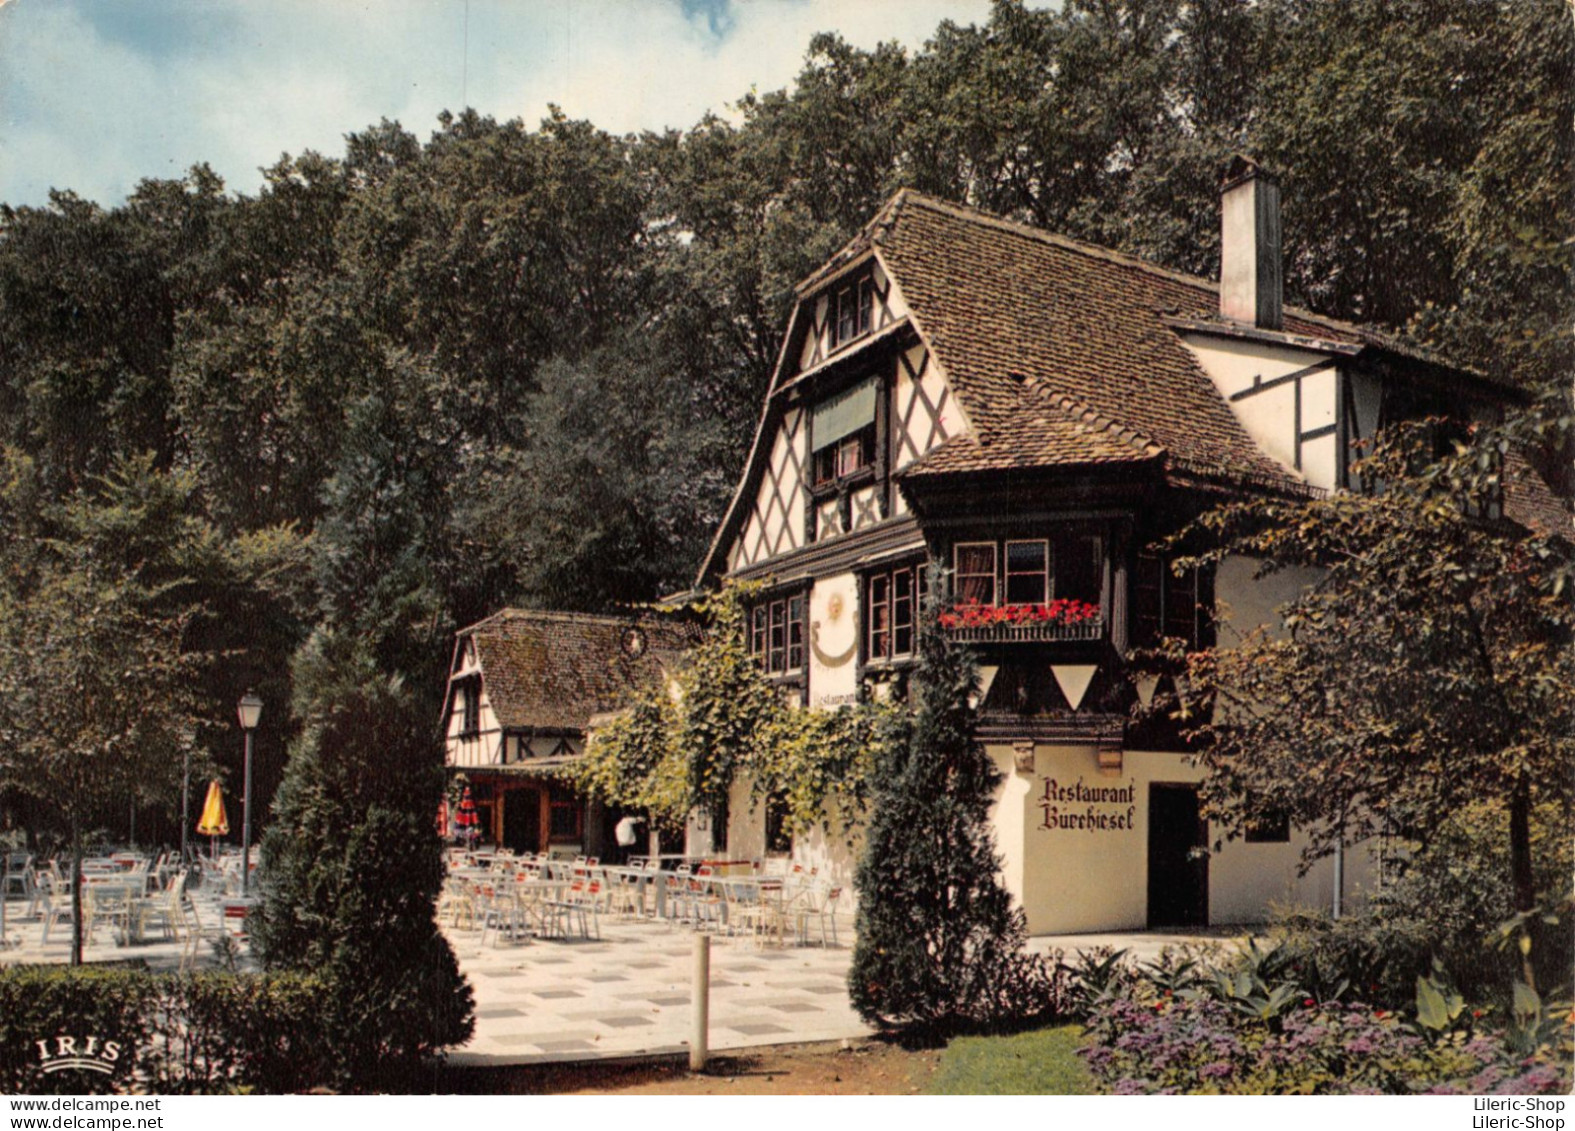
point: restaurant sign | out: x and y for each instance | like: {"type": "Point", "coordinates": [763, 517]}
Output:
{"type": "Point", "coordinates": [1089, 808]}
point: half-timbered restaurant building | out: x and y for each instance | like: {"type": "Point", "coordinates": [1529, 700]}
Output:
{"type": "Point", "coordinates": [1035, 414]}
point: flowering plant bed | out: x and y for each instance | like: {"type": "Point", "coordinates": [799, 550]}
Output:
{"type": "Point", "coordinates": [1056, 620]}
{"type": "Point", "coordinates": [1193, 1045]}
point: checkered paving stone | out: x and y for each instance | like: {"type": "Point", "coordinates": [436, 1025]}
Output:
{"type": "Point", "coordinates": [630, 994]}
{"type": "Point", "coordinates": [623, 995]}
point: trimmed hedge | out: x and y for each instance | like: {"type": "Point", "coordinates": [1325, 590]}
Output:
{"type": "Point", "coordinates": [174, 1034]}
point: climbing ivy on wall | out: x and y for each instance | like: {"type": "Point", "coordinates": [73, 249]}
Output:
{"type": "Point", "coordinates": [679, 746]}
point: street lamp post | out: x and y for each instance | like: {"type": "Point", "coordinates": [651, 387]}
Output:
{"type": "Point", "coordinates": [250, 710]}
{"type": "Point", "coordinates": [185, 801]}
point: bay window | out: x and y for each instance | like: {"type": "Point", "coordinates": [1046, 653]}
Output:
{"type": "Point", "coordinates": [974, 563]}
{"type": "Point", "coordinates": [1068, 565]}
{"type": "Point", "coordinates": [1027, 572]}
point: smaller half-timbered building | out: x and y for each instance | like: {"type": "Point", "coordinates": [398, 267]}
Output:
{"type": "Point", "coordinates": [523, 689]}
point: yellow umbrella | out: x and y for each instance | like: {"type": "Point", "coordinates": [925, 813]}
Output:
{"type": "Point", "coordinates": [213, 822]}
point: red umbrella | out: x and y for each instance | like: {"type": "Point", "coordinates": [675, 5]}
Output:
{"type": "Point", "coordinates": [468, 823]}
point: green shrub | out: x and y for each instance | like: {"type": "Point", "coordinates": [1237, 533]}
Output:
{"type": "Point", "coordinates": [1446, 903]}
{"type": "Point", "coordinates": [173, 1034]}
{"type": "Point", "coordinates": [939, 945]}
{"type": "Point", "coordinates": [1245, 1026]}
{"type": "Point", "coordinates": [42, 1003]}
{"type": "Point", "coordinates": [1198, 1045]}
{"type": "Point", "coordinates": [225, 1032]}
{"type": "Point", "coordinates": [351, 868]}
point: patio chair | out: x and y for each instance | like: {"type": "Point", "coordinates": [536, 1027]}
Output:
{"type": "Point", "coordinates": [625, 895]}
{"type": "Point", "coordinates": [196, 934]}
{"type": "Point", "coordinates": [19, 876]}
{"type": "Point", "coordinates": [166, 910]}
{"type": "Point", "coordinates": [761, 915]}
{"type": "Point", "coordinates": [54, 904]}
{"type": "Point", "coordinates": [818, 906]}
{"type": "Point", "coordinates": [678, 904]}
{"type": "Point", "coordinates": [707, 901]}
{"type": "Point", "coordinates": [106, 905]}
{"type": "Point", "coordinates": [501, 914]}
{"type": "Point", "coordinates": [574, 915]}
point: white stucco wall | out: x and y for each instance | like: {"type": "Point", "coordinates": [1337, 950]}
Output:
{"type": "Point", "coordinates": [1082, 879]}
{"type": "Point", "coordinates": [833, 629]}
{"type": "Point", "coordinates": [1270, 416]}
{"type": "Point", "coordinates": [1243, 602]}
{"type": "Point", "coordinates": [832, 855]}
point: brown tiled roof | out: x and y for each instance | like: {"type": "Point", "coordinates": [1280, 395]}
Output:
{"type": "Point", "coordinates": [1046, 429]}
{"type": "Point", "coordinates": [1000, 302]}
{"type": "Point", "coordinates": [1529, 500]}
{"type": "Point", "coordinates": [556, 670]}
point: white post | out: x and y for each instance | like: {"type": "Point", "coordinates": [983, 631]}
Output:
{"type": "Point", "coordinates": [699, 1041]}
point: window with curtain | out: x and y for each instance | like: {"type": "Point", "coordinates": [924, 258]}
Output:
{"type": "Point", "coordinates": [974, 566]}
{"type": "Point", "coordinates": [843, 427]}
{"type": "Point", "coordinates": [890, 613]}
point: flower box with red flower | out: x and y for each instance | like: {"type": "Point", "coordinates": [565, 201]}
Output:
{"type": "Point", "coordinates": [1058, 620]}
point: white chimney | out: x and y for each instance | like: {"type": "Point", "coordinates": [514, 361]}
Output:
{"type": "Point", "coordinates": [1250, 279]}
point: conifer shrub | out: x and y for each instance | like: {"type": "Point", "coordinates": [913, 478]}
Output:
{"type": "Point", "coordinates": [351, 869]}
{"type": "Point", "coordinates": [939, 944]}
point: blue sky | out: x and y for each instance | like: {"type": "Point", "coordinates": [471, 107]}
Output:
{"type": "Point", "coordinates": [97, 94]}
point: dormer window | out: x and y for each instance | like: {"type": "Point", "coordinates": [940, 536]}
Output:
{"type": "Point", "coordinates": [854, 304]}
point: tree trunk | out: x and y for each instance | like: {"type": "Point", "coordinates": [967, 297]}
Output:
{"type": "Point", "coordinates": [76, 892]}
{"type": "Point", "coordinates": [1524, 882]}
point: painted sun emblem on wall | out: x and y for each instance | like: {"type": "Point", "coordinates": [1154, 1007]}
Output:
{"type": "Point", "coordinates": [834, 608]}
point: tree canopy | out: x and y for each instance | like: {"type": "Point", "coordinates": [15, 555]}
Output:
{"type": "Point", "coordinates": [1429, 668]}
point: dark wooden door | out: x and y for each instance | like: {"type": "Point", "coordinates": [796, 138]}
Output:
{"type": "Point", "coordinates": [522, 820]}
{"type": "Point", "coordinates": [1178, 880]}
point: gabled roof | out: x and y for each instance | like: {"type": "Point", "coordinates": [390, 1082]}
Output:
{"type": "Point", "coordinates": [1001, 303]}
{"type": "Point", "coordinates": [554, 671]}
{"type": "Point", "coordinates": [1062, 353]}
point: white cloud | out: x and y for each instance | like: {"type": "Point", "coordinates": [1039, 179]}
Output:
{"type": "Point", "coordinates": [86, 108]}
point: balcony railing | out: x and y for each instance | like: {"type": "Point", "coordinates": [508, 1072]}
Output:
{"type": "Point", "coordinates": [1024, 624]}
